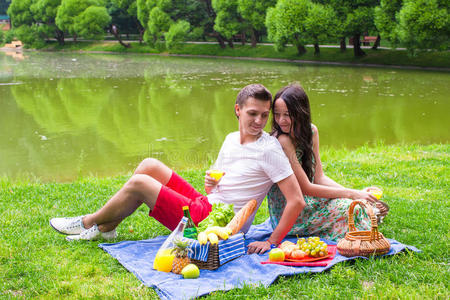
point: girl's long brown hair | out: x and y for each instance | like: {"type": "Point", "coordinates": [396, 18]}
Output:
{"type": "Point", "coordinates": [297, 103]}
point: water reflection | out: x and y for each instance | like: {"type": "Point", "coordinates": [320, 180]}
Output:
{"type": "Point", "coordinates": [79, 114]}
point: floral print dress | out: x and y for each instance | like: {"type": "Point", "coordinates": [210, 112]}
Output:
{"type": "Point", "coordinates": [323, 217]}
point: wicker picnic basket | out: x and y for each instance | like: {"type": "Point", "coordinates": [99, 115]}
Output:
{"type": "Point", "coordinates": [362, 242]}
{"type": "Point", "coordinates": [235, 225]}
{"type": "Point", "coordinates": [213, 259]}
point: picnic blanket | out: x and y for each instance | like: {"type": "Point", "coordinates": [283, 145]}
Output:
{"type": "Point", "coordinates": [137, 257]}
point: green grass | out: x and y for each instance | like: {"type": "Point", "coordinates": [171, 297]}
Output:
{"type": "Point", "coordinates": [36, 262]}
{"type": "Point", "coordinates": [381, 56]}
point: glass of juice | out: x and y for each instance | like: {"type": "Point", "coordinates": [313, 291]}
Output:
{"type": "Point", "coordinates": [163, 260]}
{"type": "Point", "coordinates": [216, 174]}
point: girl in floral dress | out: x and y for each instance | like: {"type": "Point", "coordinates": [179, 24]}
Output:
{"type": "Point", "coordinates": [327, 202]}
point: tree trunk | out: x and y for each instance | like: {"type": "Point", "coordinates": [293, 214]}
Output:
{"type": "Point", "coordinates": [357, 46]}
{"type": "Point", "coordinates": [316, 49]}
{"type": "Point", "coordinates": [243, 38]}
{"type": "Point", "coordinates": [230, 43]}
{"type": "Point", "coordinates": [59, 35]}
{"type": "Point", "coordinates": [141, 35]}
{"type": "Point", "coordinates": [377, 43]}
{"type": "Point", "coordinates": [221, 41]}
{"type": "Point", "coordinates": [301, 49]}
{"type": "Point", "coordinates": [116, 34]}
{"type": "Point", "coordinates": [253, 38]}
{"type": "Point", "coordinates": [75, 38]}
{"type": "Point", "coordinates": [343, 46]}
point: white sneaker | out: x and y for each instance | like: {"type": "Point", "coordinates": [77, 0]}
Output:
{"type": "Point", "coordinates": [68, 225]}
{"type": "Point", "coordinates": [93, 234]}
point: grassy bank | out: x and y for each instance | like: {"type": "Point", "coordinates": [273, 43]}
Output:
{"type": "Point", "coordinates": [37, 262]}
{"type": "Point", "coordinates": [379, 57]}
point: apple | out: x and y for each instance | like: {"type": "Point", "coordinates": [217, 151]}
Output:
{"type": "Point", "coordinates": [191, 271]}
{"type": "Point", "coordinates": [276, 254]}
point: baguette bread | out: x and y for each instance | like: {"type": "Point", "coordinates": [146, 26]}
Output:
{"type": "Point", "coordinates": [242, 216]}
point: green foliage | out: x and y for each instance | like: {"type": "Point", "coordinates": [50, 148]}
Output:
{"type": "Point", "coordinates": [2, 34]}
{"type": "Point", "coordinates": [91, 23]}
{"type": "Point", "coordinates": [177, 33]}
{"type": "Point", "coordinates": [320, 23]}
{"type": "Point", "coordinates": [384, 18]}
{"type": "Point", "coordinates": [359, 21]}
{"type": "Point", "coordinates": [254, 11]}
{"type": "Point", "coordinates": [44, 13]}
{"type": "Point", "coordinates": [220, 215]}
{"type": "Point", "coordinates": [9, 36]}
{"type": "Point", "coordinates": [158, 23]}
{"type": "Point", "coordinates": [286, 23]}
{"type": "Point", "coordinates": [196, 33]}
{"type": "Point", "coordinates": [227, 21]}
{"type": "Point", "coordinates": [29, 35]}
{"type": "Point", "coordinates": [68, 11]}
{"type": "Point", "coordinates": [20, 13]}
{"type": "Point", "coordinates": [143, 9]}
{"type": "Point", "coordinates": [124, 15]}
{"type": "Point", "coordinates": [423, 24]}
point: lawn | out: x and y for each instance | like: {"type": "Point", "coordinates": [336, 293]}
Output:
{"type": "Point", "coordinates": [37, 262]}
{"type": "Point", "coordinates": [379, 57]}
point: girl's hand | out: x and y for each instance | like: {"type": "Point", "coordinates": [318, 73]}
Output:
{"type": "Point", "coordinates": [364, 196]}
{"type": "Point", "coordinates": [258, 247]}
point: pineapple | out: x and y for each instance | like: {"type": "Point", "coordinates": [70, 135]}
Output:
{"type": "Point", "coordinates": [181, 260]}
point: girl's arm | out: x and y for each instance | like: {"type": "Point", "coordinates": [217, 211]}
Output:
{"type": "Point", "coordinates": [329, 190]}
{"type": "Point", "coordinates": [319, 175]}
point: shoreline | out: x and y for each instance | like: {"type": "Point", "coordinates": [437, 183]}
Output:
{"type": "Point", "coordinates": [330, 56]}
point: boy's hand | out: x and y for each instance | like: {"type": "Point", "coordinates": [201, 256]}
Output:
{"type": "Point", "coordinates": [210, 182]}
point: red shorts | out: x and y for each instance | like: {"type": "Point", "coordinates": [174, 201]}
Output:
{"type": "Point", "coordinates": [173, 196]}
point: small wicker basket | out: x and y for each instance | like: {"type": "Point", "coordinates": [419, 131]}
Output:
{"type": "Point", "coordinates": [212, 262]}
{"type": "Point", "coordinates": [364, 242]}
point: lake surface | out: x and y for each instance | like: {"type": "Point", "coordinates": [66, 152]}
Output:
{"type": "Point", "coordinates": [65, 115]}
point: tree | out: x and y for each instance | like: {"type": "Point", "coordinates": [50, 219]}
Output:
{"type": "Point", "coordinates": [177, 33]}
{"type": "Point", "coordinates": [423, 24]}
{"type": "Point", "coordinates": [158, 23]}
{"type": "Point", "coordinates": [320, 24]}
{"type": "Point", "coordinates": [359, 21]}
{"type": "Point", "coordinates": [254, 12]}
{"type": "Point", "coordinates": [20, 13]}
{"type": "Point", "coordinates": [227, 22]}
{"type": "Point", "coordinates": [91, 23]}
{"type": "Point", "coordinates": [286, 24]}
{"type": "Point", "coordinates": [44, 13]}
{"type": "Point", "coordinates": [385, 20]}
{"type": "Point", "coordinates": [124, 17]}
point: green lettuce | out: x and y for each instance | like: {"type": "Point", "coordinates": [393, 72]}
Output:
{"type": "Point", "coordinates": [220, 215]}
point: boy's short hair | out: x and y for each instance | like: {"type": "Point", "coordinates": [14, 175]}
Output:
{"type": "Point", "coordinates": [257, 91]}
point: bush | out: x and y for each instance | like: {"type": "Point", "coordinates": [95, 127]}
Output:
{"type": "Point", "coordinates": [2, 35]}
{"type": "Point", "coordinates": [9, 36]}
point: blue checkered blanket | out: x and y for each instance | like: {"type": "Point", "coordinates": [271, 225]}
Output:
{"type": "Point", "coordinates": [137, 257]}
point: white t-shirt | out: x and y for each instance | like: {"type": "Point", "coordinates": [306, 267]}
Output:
{"type": "Point", "coordinates": [250, 171]}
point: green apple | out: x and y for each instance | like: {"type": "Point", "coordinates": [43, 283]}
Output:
{"type": "Point", "coordinates": [276, 254]}
{"type": "Point", "coordinates": [191, 271]}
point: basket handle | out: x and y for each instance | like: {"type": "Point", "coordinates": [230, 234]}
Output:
{"type": "Point", "coordinates": [369, 211]}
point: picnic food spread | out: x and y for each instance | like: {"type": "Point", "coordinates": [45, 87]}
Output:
{"type": "Point", "coordinates": [308, 249]}
{"type": "Point", "coordinates": [221, 224]}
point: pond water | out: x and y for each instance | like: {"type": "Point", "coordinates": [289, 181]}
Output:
{"type": "Point", "coordinates": [65, 115]}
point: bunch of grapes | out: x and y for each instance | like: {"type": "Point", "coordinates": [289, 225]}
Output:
{"type": "Point", "coordinates": [313, 246]}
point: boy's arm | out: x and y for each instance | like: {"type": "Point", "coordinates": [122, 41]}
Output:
{"type": "Point", "coordinates": [294, 206]}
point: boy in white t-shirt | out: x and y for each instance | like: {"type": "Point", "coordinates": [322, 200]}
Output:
{"type": "Point", "coordinates": [251, 159]}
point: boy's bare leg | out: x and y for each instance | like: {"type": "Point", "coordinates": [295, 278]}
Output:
{"type": "Point", "coordinates": [142, 187]}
